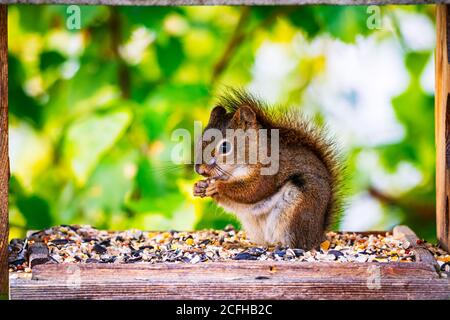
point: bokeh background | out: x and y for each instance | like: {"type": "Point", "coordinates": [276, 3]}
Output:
{"type": "Point", "coordinates": [92, 110]}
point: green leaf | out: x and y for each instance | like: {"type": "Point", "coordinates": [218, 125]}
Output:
{"type": "Point", "coordinates": [36, 211]}
{"type": "Point", "coordinates": [35, 19]}
{"type": "Point", "coordinates": [305, 18]}
{"type": "Point", "coordinates": [214, 217]}
{"type": "Point", "coordinates": [150, 179]}
{"type": "Point", "coordinates": [416, 61]}
{"type": "Point", "coordinates": [89, 139]}
{"type": "Point", "coordinates": [151, 17]}
{"type": "Point", "coordinates": [20, 104]}
{"type": "Point", "coordinates": [164, 205]}
{"type": "Point", "coordinates": [170, 55]}
{"type": "Point", "coordinates": [111, 168]}
{"type": "Point", "coordinates": [79, 89]}
{"type": "Point", "coordinates": [50, 59]}
{"type": "Point", "coordinates": [343, 22]}
{"type": "Point", "coordinates": [415, 110]}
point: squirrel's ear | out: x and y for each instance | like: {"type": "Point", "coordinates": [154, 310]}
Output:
{"type": "Point", "coordinates": [245, 116]}
{"type": "Point", "coordinates": [217, 113]}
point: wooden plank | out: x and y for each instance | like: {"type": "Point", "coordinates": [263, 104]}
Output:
{"type": "Point", "coordinates": [246, 271]}
{"type": "Point", "coordinates": [237, 279]}
{"type": "Point", "coordinates": [442, 126]}
{"type": "Point", "coordinates": [225, 2]}
{"type": "Point", "coordinates": [4, 161]}
{"type": "Point", "coordinates": [232, 280]}
{"type": "Point", "coordinates": [420, 250]}
{"type": "Point", "coordinates": [317, 290]}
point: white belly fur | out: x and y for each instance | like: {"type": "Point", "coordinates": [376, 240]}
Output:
{"type": "Point", "coordinates": [263, 220]}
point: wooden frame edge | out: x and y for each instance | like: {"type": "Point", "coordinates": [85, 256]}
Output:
{"type": "Point", "coordinates": [4, 158]}
{"type": "Point", "coordinates": [442, 135]}
{"type": "Point", "coordinates": [442, 125]}
{"type": "Point", "coordinates": [240, 279]}
{"type": "Point", "coordinates": [227, 2]}
{"type": "Point", "coordinates": [233, 280]}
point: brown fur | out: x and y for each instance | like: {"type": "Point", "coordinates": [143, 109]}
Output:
{"type": "Point", "coordinates": [293, 207]}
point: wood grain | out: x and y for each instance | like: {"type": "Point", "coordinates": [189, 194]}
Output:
{"type": "Point", "coordinates": [4, 161]}
{"type": "Point", "coordinates": [421, 252]}
{"type": "Point", "coordinates": [232, 280]}
{"type": "Point", "coordinates": [442, 126]}
{"type": "Point", "coordinates": [224, 2]}
{"type": "Point", "coordinates": [244, 271]}
{"type": "Point", "coordinates": [237, 279]}
{"type": "Point", "coordinates": [242, 280]}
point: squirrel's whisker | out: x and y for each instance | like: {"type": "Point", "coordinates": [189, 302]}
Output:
{"type": "Point", "coordinates": [223, 171]}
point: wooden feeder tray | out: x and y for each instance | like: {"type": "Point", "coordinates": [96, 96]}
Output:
{"type": "Point", "coordinates": [420, 279]}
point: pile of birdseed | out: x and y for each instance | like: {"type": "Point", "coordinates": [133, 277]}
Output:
{"type": "Point", "coordinates": [85, 244]}
{"type": "Point", "coordinates": [442, 257]}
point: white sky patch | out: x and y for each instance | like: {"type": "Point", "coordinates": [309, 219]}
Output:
{"type": "Point", "coordinates": [417, 30]}
{"type": "Point", "coordinates": [34, 86]}
{"type": "Point", "coordinates": [403, 179]}
{"type": "Point", "coordinates": [133, 51]}
{"type": "Point", "coordinates": [303, 47]}
{"type": "Point", "coordinates": [70, 68]}
{"type": "Point", "coordinates": [272, 65]}
{"type": "Point", "coordinates": [71, 44]}
{"type": "Point", "coordinates": [356, 89]}
{"type": "Point", "coordinates": [175, 24]}
{"type": "Point", "coordinates": [427, 78]}
{"type": "Point", "coordinates": [28, 152]}
{"type": "Point", "coordinates": [364, 213]}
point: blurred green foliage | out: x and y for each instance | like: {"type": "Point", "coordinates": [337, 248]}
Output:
{"type": "Point", "coordinates": [92, 110]}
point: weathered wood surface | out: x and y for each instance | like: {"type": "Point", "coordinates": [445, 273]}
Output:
{"type": "Point", "coordinates": [442, 126]}
{"type": "Point", "coordinates": [224, 2]}
{"type": "Point", "coordinates": [239, 279]}
{"type": "Point", "coordinates": [232, 280]}
{"type": "Point", "coordinates": [4, 162]}
{"type": "Point", "coordinates": [420, 250]}
{"type": "Point", "coordinates": [245, 271]}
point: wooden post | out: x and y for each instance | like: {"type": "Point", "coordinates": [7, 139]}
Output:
{"type": "Point", "coordinates": [4, 160]}
{"type": "Point", "coordinates": [442, 129]}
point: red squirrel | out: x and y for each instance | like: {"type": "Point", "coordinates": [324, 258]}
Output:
{"type": "Point", "coordinates": [293, 206]}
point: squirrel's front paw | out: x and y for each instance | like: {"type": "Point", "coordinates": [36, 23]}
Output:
{"type": "Point", "coordinates": [205, 188]}
{"type": "Point", "coordinates": [200, 188]}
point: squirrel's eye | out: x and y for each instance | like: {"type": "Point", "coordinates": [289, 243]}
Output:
{"type": "Point", "coordinates": [225, 147]}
